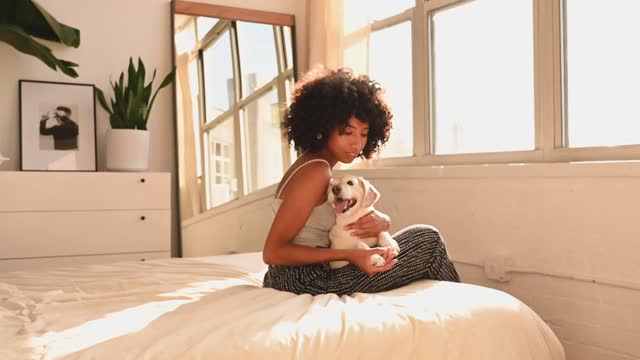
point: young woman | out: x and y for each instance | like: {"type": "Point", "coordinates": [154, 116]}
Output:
{"type": "Point", "coordinates": [334, 117]}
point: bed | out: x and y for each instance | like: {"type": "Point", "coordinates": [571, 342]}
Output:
{"type": "Point", "coordinates": [214, 308]}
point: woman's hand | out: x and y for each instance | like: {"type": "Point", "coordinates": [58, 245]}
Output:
{"type": "Point", "coordinates": [370, 225]}
{"type": "Point", "coordinates": [362, 259]}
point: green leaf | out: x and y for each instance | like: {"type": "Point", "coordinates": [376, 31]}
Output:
{"type": "Point", "coordinates": [116, 121]}
{"type": "Point", "coordinates": [167, 80]}
{"type": "Point", "coordinates": [120, 88]}
{"type": "Point", "coordinates": [141, 73]}
{"type": "Point", "coordinates": [31, 20]}
{"type": "Point", "coordinates": [146, 94]}
{"type": "Point", "coordinates": [132, 77]}
{"type": "Point", "coordinates": [24, 43]}
{"type": "Point", "coordinates": [102, 101]}
{"type": "Point", "coordinates": [131, 106]}
{"type": "Point", "coordinates": [117, 93]}
{"type": "Point", "coordinates": [36, 21]}
{"type": "Point", "coordinates": [152, 78]}
{"type": "Point", "coordinates": [8, 11]}
{"type": "Point", "coordinates": [140, 88]}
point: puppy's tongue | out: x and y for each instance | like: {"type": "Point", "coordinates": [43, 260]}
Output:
{"type": "Point", "coordinates": [340, 205]}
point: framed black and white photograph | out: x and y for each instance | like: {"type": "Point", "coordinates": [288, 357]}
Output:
{"type": "Point", "coordinates": [57, 126]}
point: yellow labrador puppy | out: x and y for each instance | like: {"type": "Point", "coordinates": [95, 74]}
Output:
{"type": "Point", "coordinates": [351, 198]}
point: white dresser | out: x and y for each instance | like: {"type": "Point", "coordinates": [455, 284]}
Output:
{"type": "Point", "coordinates": [67, 218]}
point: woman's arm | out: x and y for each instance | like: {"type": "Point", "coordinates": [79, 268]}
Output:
{"type": "Point", "coordinates": [305, 190]}
{"type": "Point", "coordinates": [370, 225]}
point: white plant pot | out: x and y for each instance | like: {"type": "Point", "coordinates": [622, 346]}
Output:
{"type": "Point", "coordinates": [127, 150]}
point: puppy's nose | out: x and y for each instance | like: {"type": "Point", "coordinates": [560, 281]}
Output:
{"type": "Point", "coordinates": [336, 189]}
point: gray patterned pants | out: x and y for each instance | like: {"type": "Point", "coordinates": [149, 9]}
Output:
{"type": "Point", "coordinates": [423, 255]}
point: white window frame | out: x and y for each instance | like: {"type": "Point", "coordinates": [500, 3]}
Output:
{"type": "Point", "coordinates": [234, 111]}
{"type": "Point", "coordinates": [549, 89]}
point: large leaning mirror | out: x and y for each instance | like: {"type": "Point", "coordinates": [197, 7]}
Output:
{"type": "Point", "coordinates": [234, 71]}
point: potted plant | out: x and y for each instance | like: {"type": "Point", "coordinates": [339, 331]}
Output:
{"type": "Point", "coordinates": [128, 139]}
{"type": "Point", "coordinates": [23, 20]}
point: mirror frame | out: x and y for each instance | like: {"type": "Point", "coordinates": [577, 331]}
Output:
{"type": "Point", "coordinates": [182, 7]}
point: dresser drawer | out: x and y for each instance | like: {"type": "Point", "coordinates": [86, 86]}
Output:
{"type": "Point", "coordinates": [52, 191]}
{"type": "Point", "coordinates": [64, 261]}
{"type": "Point", "coordinates": [69, 233]}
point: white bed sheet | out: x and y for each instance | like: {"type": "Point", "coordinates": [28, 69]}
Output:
{"type": "Point", "coordinates": [215, 308]}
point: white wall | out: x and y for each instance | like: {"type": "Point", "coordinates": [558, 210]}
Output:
{"type": "Point", "coordinates": [569, 233]}
{"type": "Point", "coordinates": [111, 32]}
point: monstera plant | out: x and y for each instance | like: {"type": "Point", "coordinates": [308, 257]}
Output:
{"type": "Point", "coordinates": [23, 20]}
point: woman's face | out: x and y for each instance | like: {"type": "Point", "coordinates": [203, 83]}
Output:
{"type": "Point", "coordinates": [346, 144]}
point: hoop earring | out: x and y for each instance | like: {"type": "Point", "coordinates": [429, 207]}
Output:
{"type": "Point", "coordinates": [319, 136]}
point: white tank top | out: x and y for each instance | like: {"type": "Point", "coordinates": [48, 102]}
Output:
{"type": "Point", "coordinates": [315, 231]}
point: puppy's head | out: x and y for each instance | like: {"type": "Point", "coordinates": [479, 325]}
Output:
{"type": "Point", "coordinates": [349, 193]}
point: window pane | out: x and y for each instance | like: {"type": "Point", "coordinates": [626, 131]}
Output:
{"type": "Point", "coordinates": [602, 74]}
{"type": "Point", "coordinates": [381, 9]}
{"type": "Point", "coordinates": [195, 109]}
{"type": "Point", "coordinates": [288, 83]}
{"type": "Point", "coordinates": [222, 165]}
{"type": "Point", "coordinates": [483, 77]}
{"type": "Point", "coordinates": [263, 145]}
{"type": "Point", "coordinates": [218, 77]}
{"type": "Point", "coordinates": [288, 46]}
{"type": "Point", "coordinates": [394, 75]}
{"type": "Point", "coordinates": [204, 25]}
{"type": "Point", "coordinates": [258, 61]}
{"type": "Point", "coordinates": [185, 34]}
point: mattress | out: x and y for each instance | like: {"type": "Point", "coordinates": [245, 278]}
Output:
{"type": "Point", "coordinates": [215, 308]}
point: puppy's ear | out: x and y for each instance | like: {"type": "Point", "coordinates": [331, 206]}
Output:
{"type": "Point", "coordinates": [370, 194]}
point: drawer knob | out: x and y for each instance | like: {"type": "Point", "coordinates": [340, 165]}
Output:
{"type": "Point", "coordinates": [143, 218]}
{"type": "Point", "coordinates": [142, 180]}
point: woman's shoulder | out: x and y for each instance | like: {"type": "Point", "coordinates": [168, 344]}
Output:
{"type": "Point", "coordinates": [313, 171]}
{"type": "Point", "coordinates": [311, 176]}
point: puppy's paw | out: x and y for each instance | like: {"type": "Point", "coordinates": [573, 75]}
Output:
{"type": "Point", "coordinates": [338, 264]}
{"type": "Point", "coordinates": [395, 248]}
{"type": "Point", "coordinates": [386, 240]}
{"type": "Point", "coordinates": [377, 260]}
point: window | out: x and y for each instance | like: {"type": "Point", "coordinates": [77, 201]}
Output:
{"type": "Point", "coordinates": [383, 30]}
{"type": "Point", "coordinates": [218, 77]}
{"type": "Point", "coordinates": [500, 81]}
{"type": "Point", "coordinates": [258, 59]}
{"type": "Point", "coordinates": [240, 76]}
{"type": "Point", "coordinates": [482, 77]}
{"type": "Point", "coordinates": [288, 45]}
{"type": "Point", "coordinates": [382, 9]}
{"type": "Point", "coordinates": [195, 108]}
{"type": "Point", "coordinates": [222, 164]}
{"type": "Point", "coordinates": [205, 24]}
{"type": "Point", "coordinates": [263, 145]}
{"type": "Point", "coordinates": [602, 75]}
{"type": "Point", "coordinates": [394, 74]}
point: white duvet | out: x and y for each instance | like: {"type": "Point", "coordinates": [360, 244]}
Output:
{"type": "Point", "coordinates": [215, 308]}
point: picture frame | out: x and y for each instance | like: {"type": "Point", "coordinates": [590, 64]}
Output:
{"type": "Point", "coordinates": [57, 126]}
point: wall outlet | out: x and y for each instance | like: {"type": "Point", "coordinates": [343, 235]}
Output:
{"type": "Point", "coordinates": [497, 268]}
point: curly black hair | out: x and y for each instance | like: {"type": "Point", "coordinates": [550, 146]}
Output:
{"type": "Point", "coordinates": [324, 100]}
